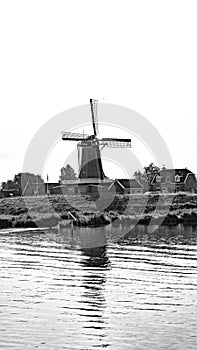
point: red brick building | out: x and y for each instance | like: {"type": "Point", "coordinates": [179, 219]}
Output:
{"type": "Point", "coordinates": [174, 180]}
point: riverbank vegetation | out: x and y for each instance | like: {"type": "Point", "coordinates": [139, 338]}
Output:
{"type": "Point", "coordinates": [49, 211]}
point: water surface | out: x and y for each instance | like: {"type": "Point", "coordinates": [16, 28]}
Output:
{"type": "Point", "coordinates": [58, 292]}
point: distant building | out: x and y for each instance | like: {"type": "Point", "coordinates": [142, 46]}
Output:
{"type": "Point", "coordinates": [174, 180]}
{"type": "Point", "coordinates": [70, 187]}
{"type": "Point", "coordinates": [84, 186]}
{"type": "Point", "coordinates": [53, 188]}
{"type": "Point", "coordinates": [6, 193]}
{"type": "Point", "coordinates": [91, 186]}
{"type": "Point", "coordinates": [123, 186]}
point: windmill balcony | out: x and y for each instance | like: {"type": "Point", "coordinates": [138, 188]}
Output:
{"type": "Point", "coordinates": [85, 181]}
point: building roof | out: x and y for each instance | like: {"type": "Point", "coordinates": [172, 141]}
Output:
{"type": "Point", "coordinates": [130, 183]}
{"type": "Point", "coordinates": [127, 183]}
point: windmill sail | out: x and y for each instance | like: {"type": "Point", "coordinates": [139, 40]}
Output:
{"type": "Point", "coordinates": [94, 111]}
{"type": "Point", "coordinates": [115, 142]}
{"type": "Point", "coordinates": [71, 136]}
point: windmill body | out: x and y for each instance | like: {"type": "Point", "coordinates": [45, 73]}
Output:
{"type": "Point", "coordinates": [90, 164]}
{"type": "Point", "coordinates": [89, 153]}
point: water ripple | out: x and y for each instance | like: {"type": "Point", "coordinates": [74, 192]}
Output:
{"type": "Point", "coordinates": [138, 293]}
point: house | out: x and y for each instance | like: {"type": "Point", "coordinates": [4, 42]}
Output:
{"type": "Point", "coordinates": [53, 188]}
{"type": "Point", "coordinates": [124, 186]}
{"type": "Point", "coordinates": [174, 180]}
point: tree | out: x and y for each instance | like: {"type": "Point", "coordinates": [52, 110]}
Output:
{"type": "Point", "coordinates": [147, 176]}
{"type": "Point", "coordinates": [67, 173]}
{"type": "Point", "coordinates": [150, 171]}
{"type": "Point", "coordinates": [142, 179]}
{"type": "Point", "coordinates": [9, 185]}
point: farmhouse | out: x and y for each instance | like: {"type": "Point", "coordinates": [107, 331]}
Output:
{"type": "Point", "coordinates": [174, 180]}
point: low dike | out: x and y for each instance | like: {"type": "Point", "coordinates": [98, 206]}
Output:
{"type": "Point", "coordinates": [54, 210]}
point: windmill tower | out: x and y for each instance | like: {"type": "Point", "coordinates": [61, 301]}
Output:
{"type": "Point", "coordinates": [89, 151]}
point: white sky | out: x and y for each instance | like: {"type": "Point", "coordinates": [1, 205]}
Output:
{"type": "Point", "coordinates": [55, 55]}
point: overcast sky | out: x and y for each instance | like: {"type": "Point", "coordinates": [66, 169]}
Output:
{"type": "Point", "coordinates": [58, 54]}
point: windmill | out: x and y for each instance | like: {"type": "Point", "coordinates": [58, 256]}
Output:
{"type": "Point", "coordinates": [89, 150]}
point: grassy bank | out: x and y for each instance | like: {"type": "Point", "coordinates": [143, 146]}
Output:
{"type": "Point", "coordinates": [49, 211]}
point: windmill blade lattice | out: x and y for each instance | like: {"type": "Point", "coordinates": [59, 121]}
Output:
{"type": "Point", "coordinates": [74, 136]}
{"type": "Point", "coordinates": [95, 110]}
{"type": "Point", "coordinates": [114, 143]}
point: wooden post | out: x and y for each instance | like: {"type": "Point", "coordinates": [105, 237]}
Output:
{"type": "Point", "coordinates": [47, 184]}
{"type": "Point", "coordinates": [37, 187]}
{"type": "Point", "coordinates": [73, 218]}
{"type": "Point", "coordinates": [72, 227]}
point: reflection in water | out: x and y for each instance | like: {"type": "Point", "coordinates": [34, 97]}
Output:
{"type": "Point", "coordinates": [92, 237]}
{"type": "Point", "coordinates": [95, 264]}
{"type": "Point", "coordinates": [95, 257]}
{"type": "Point", "coordinates": [153, 234]}
{"type": "Point", "coordinates": [84, 291]}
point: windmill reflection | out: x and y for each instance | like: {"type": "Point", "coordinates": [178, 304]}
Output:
{"type": "Point", "coordinates": [95, 266]}
{"type": "Point", "coordinates": [95, 257]}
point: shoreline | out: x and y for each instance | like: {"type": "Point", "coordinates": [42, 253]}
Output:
{"type": "Point", "coordinates": [128, 209]}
